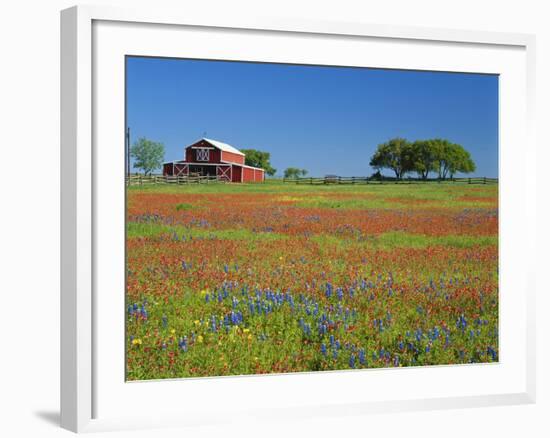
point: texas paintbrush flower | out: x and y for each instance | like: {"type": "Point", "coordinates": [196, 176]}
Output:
{"type": "Point", "coordinates": [286, 278]}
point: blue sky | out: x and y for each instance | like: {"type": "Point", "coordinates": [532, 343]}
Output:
{"type": "Point", "coordinates": [327, 120]}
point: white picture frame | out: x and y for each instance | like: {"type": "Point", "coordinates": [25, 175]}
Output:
{"type": "Point", "coordinates": [87, 179]}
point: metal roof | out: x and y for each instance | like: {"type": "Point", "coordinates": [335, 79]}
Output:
{"type": "Point", "coordinates": [223, 146]}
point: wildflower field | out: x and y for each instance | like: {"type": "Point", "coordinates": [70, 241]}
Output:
{"type": "Point", "coordinates": [231, 279]}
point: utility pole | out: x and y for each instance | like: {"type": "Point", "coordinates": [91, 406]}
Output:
{"type": "Point", "coordinates": [128, 153]}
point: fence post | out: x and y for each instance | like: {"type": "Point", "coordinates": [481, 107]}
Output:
{"type": "Point", "coordinates": [484, 180]}
{"type": "Point", "coordinates": [469, 180]}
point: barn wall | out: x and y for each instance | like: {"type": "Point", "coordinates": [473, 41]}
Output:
{"type": "Point", "coordinates": [167, 169]}
{"type": "Point", "coordinates": [191, 155]}
{"type": "Point", "coordinates": [259, 175]}
{"type": "Point", "coordinates": [181, 169]}
{"type": "Point", "coordinates": [236, 177]}
{"type": "Point", "coordinates": [231, 157]}
{"type": "Point", "coordinates": [248, 174]}
{"type": "Point", "coordinates": [223, 171]}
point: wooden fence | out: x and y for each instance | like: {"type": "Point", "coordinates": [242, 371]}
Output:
{"type": "Point", "coordinates": [161, 179]}
{"type": "Point", "coordinates": [368, 180]}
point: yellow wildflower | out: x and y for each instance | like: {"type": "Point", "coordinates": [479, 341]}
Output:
{"type": "Point", "coordinates": [249, 337]}
{"type": "Point", "coordinates": [199, 339]}
{"type": "Point", "coordinates": [246, 330]}
{"type": "Point", "coordinates": [173, 331]}
{"type": "Point", "coordinates": [136, 341]}
{"type": "Point", "coordinates": [197, 322]}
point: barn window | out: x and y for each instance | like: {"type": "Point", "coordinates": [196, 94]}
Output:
{"type": "Point", "coordinates": [203, 154]}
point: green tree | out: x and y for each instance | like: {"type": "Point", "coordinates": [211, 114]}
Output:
{"type": "Point", "coordinates": [451, 158]}
{"type": "Point", "coordinates": [148, 155]}
{"type": "Point", "coordinates": [462, 162]}
{"type": "Point", "coordinates": [294, 172]}
{"type": "Point", "coordinates": [395, 154]}
{"type": "Point", "coordinates": [260, 159]}
{"type": "Point", "coordinates": [423, 157]}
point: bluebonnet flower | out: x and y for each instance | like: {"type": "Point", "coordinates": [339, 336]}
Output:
{"type": "Point", "coordinates": [461, 322]}
{"type": "Point", "coordinates": [352, 361]}
{"type": "Point", "coordinates": [328, 291]}
{"type": "Point", "coordinates": [362, 358]}
{"type": "Point", "coordinates": [213, 323]}
{"type": "Point", "coordinates": [324, 349]}
{"type": "Point", "coordinates": [492, 352]}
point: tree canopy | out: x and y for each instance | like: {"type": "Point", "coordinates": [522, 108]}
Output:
{"type": "Point", "coordinates": [260, 159]}
{"type": "Point", "coordinates": [294, 172]}
{"type": "Point", "coordinates": [148, 155]}
{"type": "Point", "coordinates": [422, 156]}
{"type": "Point", "coordinates": [394, 155]}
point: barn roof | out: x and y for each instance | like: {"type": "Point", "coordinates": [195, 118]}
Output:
{"type": "Point", "coordinates": [223, 146]}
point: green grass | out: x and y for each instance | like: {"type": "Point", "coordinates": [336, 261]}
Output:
{"type": "Point", "coordinates": [382, 241]}
{"type": "Point", "coordinates": [135, 229]}
{"type": "Point", "coordinates": [184, 206]}
{"type": "Point", "coordinates": [381, 203]}
{"type": "Point", "coordinates": [385, 196]}
{"type": "Point", "coordinates": [399, 239]}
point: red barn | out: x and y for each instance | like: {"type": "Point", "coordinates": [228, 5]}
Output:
{"type": "Point", "coordinates": [213, 158]}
